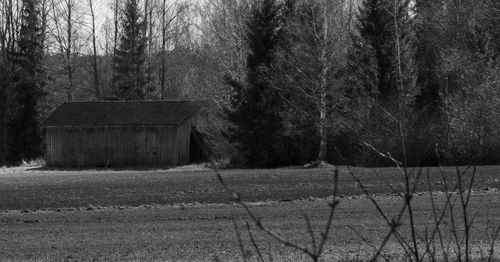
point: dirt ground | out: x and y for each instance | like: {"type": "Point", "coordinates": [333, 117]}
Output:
{"type": "Point", "coordinates": [185, 216]}
{"type": "Point", "coordinates": [39, 189]}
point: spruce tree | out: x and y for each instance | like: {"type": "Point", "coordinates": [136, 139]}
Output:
{"type": "Point", "coordinates": [377, 33]}
{"type": "Point", "coordinates": [24, 140]}
{"type": "Point", "coordinates": [258, 105]}
{"type": "Point", "coordinates": [428, 103]}
{"type": "Point", "coordinates": [386, 41]}
{"type": "Point", "coordinates": [3, 107]}
{"type": "Point", "coordinates": [374, 33]}
{"type": "Point", "coordinates": [131, 78]}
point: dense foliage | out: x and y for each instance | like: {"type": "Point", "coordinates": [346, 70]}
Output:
{"type": "Point", "coordinates": [288, 81]}
{"type": "Point", "coordinates": [257, 107]}
{"type": "Point", "coordinates": [23, 132]}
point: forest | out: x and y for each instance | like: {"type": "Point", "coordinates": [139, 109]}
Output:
{"type": "Point", "coordinates": [283, 82]}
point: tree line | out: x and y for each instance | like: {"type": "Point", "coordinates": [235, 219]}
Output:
{"type": "Point", "coordinates": [286, 82]}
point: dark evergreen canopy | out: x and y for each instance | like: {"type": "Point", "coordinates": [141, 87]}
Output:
{"type": "Point", "coordinates": [131, 79]}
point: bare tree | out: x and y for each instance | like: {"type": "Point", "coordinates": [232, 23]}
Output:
{"type": "Point", "coordinates": [307, 73]}
{"type": "Point", "coordinates": [9, 23]}
{"type": "Point", "coordinates": [106, 45]}
{"type": "Point", "coordinates": [223, 34]}
{"type": "Point", "coordinates": [67, 18]}
{"type": "Point", "coordinates": [45, 8]}
{"type": "Point", "coordinates": [149, 6]}
{"type": "Point", "coordinates": [116, 15]}
{"type": "Point", "coordinates": [404, 51]}
{"type": "Point", "coordinates": [95, 66]}
{"type": "Point", "coordinates": [169, 13]}
{"type": "Point", "coordinates": [3, 26]}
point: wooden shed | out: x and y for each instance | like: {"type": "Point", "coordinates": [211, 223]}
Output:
{"type": "Point", "coordinates": [118, 134]}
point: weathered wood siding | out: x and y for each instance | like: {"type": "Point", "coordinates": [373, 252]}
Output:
{"type": "Point", "coordinates": [118, 145]}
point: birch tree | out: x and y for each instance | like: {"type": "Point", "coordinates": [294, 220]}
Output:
{"type": "Point", "coordinates": [307, 73]}
{"type": "Point", "coordinates": [223, 28]}
{"type": "Point", "coordinates": [469, 67]}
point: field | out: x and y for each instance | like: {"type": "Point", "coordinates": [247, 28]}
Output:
{"type": "Point", "coordinates": [186, 215]}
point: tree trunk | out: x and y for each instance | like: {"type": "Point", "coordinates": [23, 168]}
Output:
{"type": "Point", "coordinates": [10, 28]}
{"type": "Point", "coordinates": [323, 134]}
{"type": "Point", "coordinates": [70, 84]}
{"type": "Point", "coordinates": [115, 43]}
{"type": "Point", "coordinates": [95, 70]}
{"type": "Point", "coordinates": [44, 14]}
{"type": "Point", "coordinates": [147, 36]}
{"type": "Point", "coordinates": [163, 49]}
{"type": "Point", "coordinates": [146, 18]}
{"type": "Point", "coordinates": [150, 47]}
{"type": "Point", "coordinates": [3, 29]}
{"type": "Point", "coordinates": [69, 58]}
{"type": "Point", "coordinates": [3, 126]}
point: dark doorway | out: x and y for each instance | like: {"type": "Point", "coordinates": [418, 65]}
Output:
{"type": "Point", "coordinates": [196, 152]}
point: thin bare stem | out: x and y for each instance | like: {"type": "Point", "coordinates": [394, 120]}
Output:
{"type": "Point", "coordinates": [254, 243]}
{"type": "Point", "coordinates": [437, 222]}
{"type": "Point", "coordinates": [393, 224]}
{"type": "Point", "coordinates": [310, 230]}
{"type": "Point", "coordinates": [240, 241]}
{"type": "Point", "coordinates": [329, 222]}
{"type": "Point", "coordinates": [464, 201]}
{"type": "Point", "coordinates": [496, 235]}
{"type": "Point", "coordinates": [234, 196]}
{"type": "Point", "coordinates": [387, 184]}
{"type": "Point", "coordinates": [367, 242]}
{"type": "Point", "coordinates": [387, 156]}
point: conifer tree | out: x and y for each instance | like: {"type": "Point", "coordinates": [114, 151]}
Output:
{"type": "Point", "coordinates": [24, 140]}
{"type": "Point", "coordinates": [131, 78]}
{"type": "Point", "coordinates": [3, 106]}
{"type": "Point", "coordinates": [428, 102]}
{"type": "Point", "coordinates": [373, 31]}
{"type": "Point", "coordinates": [258, 106]}
{"type": "Point", "coordinates": [377, 31]}
{"type": "Point", "coordinates": [386, 38]}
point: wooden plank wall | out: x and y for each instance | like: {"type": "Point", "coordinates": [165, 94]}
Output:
{"type": "Point", "coordinates": [118, 146]}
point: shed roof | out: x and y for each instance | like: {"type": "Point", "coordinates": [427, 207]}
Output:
{"type": "Point", "coordinates": [122, 113]}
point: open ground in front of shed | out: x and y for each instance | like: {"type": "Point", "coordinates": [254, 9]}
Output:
{"type": "Point", "coordinates": [186, 215]}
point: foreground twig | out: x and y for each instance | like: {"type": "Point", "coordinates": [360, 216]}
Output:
{"type": "Point", "coordinates": [496, 235]}
{"type": "Point", "coordinates": [314, 254]}
{"type": "Point", "coordinates": [240, 241]}
{"type": "Point", "coordinates": [437, 222]}
{"type": "Point", "coordinates": [375, 249]}
{"type": "Point", "coordinates": [333, 206]}
{"type": "Point", "coordinates": [393, 224]}
{"type": "Point", "coordinates": [254, 243]}
{"type": "Point", "coordinates": [258, 222]}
